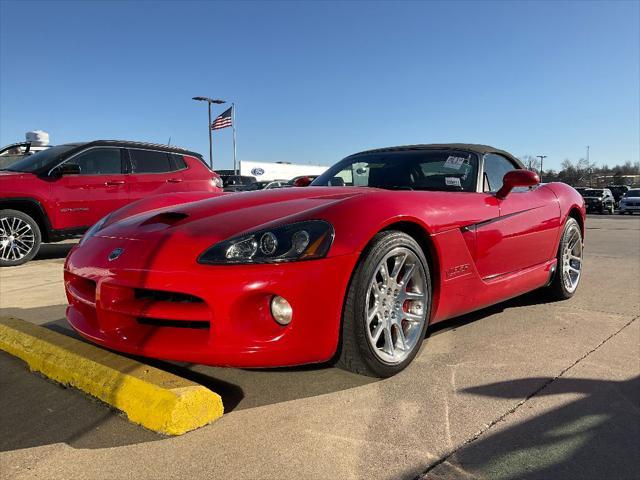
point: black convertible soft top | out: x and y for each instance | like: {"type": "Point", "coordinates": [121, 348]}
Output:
{"type": "Point", "coordinates": [467, 147]}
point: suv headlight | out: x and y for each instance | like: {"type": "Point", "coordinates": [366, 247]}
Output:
{"type": "Point", "coordinates": [94, 229]}
{"type": "Point", "coordinates": [217, 182]}
{"type": "Point", "coordinates": [297, 241]}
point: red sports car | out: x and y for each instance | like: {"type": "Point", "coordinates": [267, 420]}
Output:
{"type": "Point", "coordinates": [351, 269]}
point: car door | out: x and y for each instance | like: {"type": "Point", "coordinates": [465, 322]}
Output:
{"type": "Point", "coordinates": [100, 187]}
{"type": "Point", "coordinates": [151, 173]}
{"type": "Point", "coordinates": [526, 230]}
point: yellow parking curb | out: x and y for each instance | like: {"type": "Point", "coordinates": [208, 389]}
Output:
{"type": "Point", "coordinates": [155, 399]}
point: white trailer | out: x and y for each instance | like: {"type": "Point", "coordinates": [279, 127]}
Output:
{"type": "Point", "coordinates": [278, 170]}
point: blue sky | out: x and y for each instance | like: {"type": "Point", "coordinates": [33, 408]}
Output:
{"type": "Point", "coordinates": [314, 82]}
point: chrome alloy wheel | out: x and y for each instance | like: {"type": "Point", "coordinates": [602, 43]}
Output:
{"type": "Point", "coordinates": [572, 259]}
{"type": "Point", "coordinates": [17, 239]}
{"type": "Point", "coordinates": [396, 305]}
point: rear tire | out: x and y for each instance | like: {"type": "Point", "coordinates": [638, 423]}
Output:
{"type": "Point", "coordinates": [387, 307]}
{"type": "Point", "coordinates": [569, 266]}
{"type": "Point", "coordinates": [20, 238]}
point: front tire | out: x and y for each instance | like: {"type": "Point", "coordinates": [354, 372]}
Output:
{"type": "Point", "coordinates": [387, 307]}
{"type": "Point", "coordinates": [569, 267]}
{"type": "Point", "coordinates": [20, 238]}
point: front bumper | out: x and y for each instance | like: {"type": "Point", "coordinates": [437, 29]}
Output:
{"type": "Point", "coordinates": [166, 308]}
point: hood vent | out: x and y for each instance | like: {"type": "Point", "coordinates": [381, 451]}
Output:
{"type": "Point", "coordinates": [166, 218]}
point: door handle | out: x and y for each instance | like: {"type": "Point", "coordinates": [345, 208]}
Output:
{"type": "Point", "coordinates": [174, 180]}
{"type": "Point", "coordinates": [112, 183]}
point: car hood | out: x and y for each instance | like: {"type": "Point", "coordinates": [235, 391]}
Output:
{"type": "Point", "coordinates": [205, 222]}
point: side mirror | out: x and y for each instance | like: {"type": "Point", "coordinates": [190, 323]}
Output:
{"type": "Point", "coordinates": [517, 178]}
{"type": "Point", "coordinates": [302, 182]}
{"type": "Point", "coordinates": [67, 169]}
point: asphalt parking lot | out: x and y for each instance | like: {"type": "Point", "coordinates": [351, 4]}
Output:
{"type": "Point", "coordinates": [524, 389]}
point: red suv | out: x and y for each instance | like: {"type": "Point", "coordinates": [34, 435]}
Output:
{"type": "Point", "coordinates": [60, 192]}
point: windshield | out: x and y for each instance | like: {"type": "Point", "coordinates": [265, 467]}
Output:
{"type": "Point", "coordinates": [449, 170]}
{"type": "Point", "coordinates": [632, 193]}
{"type": "Point", "coordinates": [39, 160]}
{"type": "Point", "coordinates": [592, 192]}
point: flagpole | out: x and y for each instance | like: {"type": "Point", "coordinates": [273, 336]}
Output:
{"type": "Point", "coordinates": [233, 123]}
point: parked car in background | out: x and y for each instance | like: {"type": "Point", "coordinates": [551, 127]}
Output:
{"type": "Point", "coordinates": [599, 200]}
{"type": "Point", "coordinates": [36, 141]}
{"type": "Point", "coordinates": [60, 192]}
{"type": "Point", "coordinates": [267, 185]}
{"type": "Point", "coordinates": [630, 203]}
{"type": "Point", "coordinates": [16, 151]}
{"type": "Point", "coordinates": [236, 183]}
{"type": "Point", "coordinates": [618, 192]}
{"type": "Point", "coordinates": [302, 180]}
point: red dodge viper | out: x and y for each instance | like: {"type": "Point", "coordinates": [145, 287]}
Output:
{"type": "Point", "coordinates": [352, 268]}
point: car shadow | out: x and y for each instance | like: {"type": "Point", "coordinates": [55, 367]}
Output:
{"type": "Point", "coordinates": [54, 250]}
{"type": "Point", "coordinates": [46, 412]}
{"type": "Point", "coordinates": [536, 297]}
{"type": "Point", "coordinates": [593, 436]}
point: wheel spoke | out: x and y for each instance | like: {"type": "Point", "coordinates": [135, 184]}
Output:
{"type": "Point", "coordinates": [388, 341]}
{"type": "Point", "coordinates": [407, 274]}
{"type": "Point", "coordinates": [401, 337]}
{"type": "Point", "coordinates": [375, 336]}
{"type": "Point", "coordinates": [413, 295]}
{"type": "Point", "coordinates": [383, 272]}
{"type": "Point", "coordinates": [412, 317]}
{"type": "Point", "coordinates": [398, 263]}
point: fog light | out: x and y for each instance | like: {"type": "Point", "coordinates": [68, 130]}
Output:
{"type": "Point", "coordinates": [281, 310]}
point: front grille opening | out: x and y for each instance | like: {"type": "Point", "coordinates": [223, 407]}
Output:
{"type": "Point", "coordinates": [159, 322]}
{"type": "Point", "coordinates": [85, 287]}
{"type": "Point", "coordinates": [162, 296]}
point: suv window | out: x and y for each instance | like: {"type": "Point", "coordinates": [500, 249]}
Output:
{"type": "Point", "coordinates": [178, 162]}
{"type": "Point", "coordinates": [149, 161]}
{"type": "Point", "coordinates": [495, 167]}
{"type": "Point", "coordinates": [98, 161]}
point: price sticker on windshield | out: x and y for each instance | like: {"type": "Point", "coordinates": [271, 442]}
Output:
{"type": "Point", "coordinates": [454, 163]}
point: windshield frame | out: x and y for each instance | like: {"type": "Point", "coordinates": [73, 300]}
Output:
{"type": "Point", "coordinates": [342, 164]}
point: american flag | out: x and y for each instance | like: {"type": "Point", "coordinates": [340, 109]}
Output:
{"type": "Point", "coordinates": [223, 120]}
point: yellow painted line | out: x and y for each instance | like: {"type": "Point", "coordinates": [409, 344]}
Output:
{"type": "Point", "coordinates": [155, 399]}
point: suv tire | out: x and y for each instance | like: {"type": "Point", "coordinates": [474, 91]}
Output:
{"type": "Point", "coordinates": [20, 238]}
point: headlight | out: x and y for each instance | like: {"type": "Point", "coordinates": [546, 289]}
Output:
{"type": "Point", "coordinates": [297, 241]}
{"type": "Point", "coordinates": [217, 182]}
{"type": "Point", "coordinates": [94, 229]}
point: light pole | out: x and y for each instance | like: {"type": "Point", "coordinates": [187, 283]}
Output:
{"type": "Point", "coordinates": [541, 157]}
{"type": "Point", "coordinates": [209, 102]}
